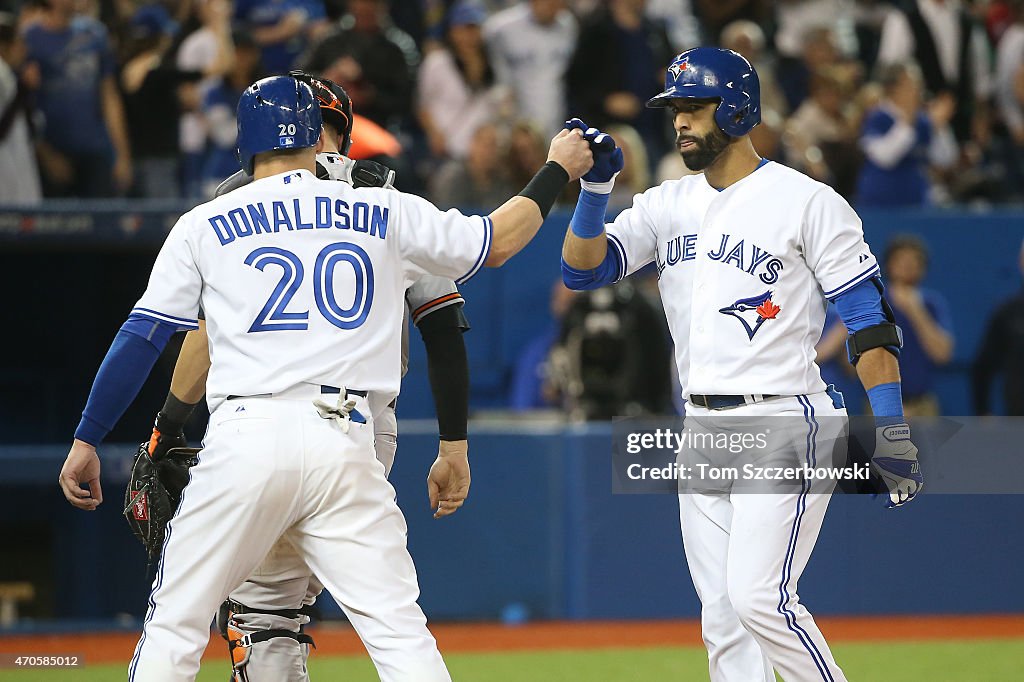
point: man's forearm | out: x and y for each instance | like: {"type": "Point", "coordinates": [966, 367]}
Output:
{"type": "Point", "coordinates": [936, 341]}
{"type": "Point", "coordinates": [188, 384]}
{"type": "Point", "coordinates": [877, 366]}
{"type": "Point", "coordinates": [879, 372]}
{"type": "Point", "coordinates": [515, 223]}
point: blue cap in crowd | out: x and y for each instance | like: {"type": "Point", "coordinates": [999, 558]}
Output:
{"type": "Point", "coordinates": [466, 13]}
{"type": "Point", "coordinates": [152, 20]}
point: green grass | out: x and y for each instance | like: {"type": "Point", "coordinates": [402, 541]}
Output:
{"type": "Point", "coordinates": [953, 661]}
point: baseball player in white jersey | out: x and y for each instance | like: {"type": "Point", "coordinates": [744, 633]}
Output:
{"type": "Point", "coordinates": [263, 619]}
{"type": "Point", "coordinates": [302, 282]}
{"type": "Point", "coordinates": [748, 253]}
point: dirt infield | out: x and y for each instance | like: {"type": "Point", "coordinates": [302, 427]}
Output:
{"type": "Point", "coordinates": [485, 637]}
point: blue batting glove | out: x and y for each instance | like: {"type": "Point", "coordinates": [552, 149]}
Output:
{"type": "Point", "coordinates": [895, 463]}
{"type": "Point", "coordinates": [608, 159]}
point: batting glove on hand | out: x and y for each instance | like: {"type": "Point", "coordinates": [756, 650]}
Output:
{"type": "Point", "coordinates": [895, 463]}
{"type": "Point", "coordinates": [162, 441]}
{"type": "Point", "coordinates": [608, 159]}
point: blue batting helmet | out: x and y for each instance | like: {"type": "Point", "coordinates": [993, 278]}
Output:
{"type": "Point", "coordinates": [713, 72]}
{"type": "Point", "coordinates": [279, 112]}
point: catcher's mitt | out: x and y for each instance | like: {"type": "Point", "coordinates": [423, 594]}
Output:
{"type": "Point", "coordinates": [154, 492]}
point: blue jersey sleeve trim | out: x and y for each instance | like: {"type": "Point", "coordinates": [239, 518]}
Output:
{"type": "Point", "coordinates": [620, 254]}
{"type": "Point", "coordinates": [873, 270]}
{"type": "Point", "coordinates": [608, 272]}
{"type": "Point", "coordinates": [485, 251]}
{"type": "Point", "coordinates": [132, 355]}
{"type": "Point", "coordinates": [860, 306]}
{"type": "Point", "coordinates": [181, 322]}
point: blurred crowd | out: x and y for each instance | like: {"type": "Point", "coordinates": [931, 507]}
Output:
{"type": "Point", "coordinates": [911, 103]}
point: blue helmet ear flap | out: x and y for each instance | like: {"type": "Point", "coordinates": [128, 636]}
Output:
{"type": "Point", "coordinates": [279, 112]}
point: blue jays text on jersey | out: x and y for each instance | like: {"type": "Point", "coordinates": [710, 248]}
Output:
{"type": "Point", "coordinates": [278, 216]}
{"type": "Point", "coordinates": [754, 260]}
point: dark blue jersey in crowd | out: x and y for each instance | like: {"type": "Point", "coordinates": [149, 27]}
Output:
{"type": "Point", "coordinates": [917, 371]}
{"type": "Point", "coordinates": [906, 183]}
{"type": "Point", "coordinates": [73, 63]}
{"type": "Point", "coordinates": [278, 57]}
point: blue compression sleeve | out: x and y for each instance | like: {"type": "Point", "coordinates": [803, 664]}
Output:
{"type": "Point", "coordinates": [861, 306]}
{"type": "Point", "coordinates": [135, 349]}
{"type": "Point", "coordinates": [588, 219]}
{"type": "Point", "coordinates": [608, 272]}
{"type": "Point", "coordinates": [887, 404]}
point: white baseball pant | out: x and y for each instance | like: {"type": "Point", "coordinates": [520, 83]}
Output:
{"type": "Point", "coordinates": [272, 467]}
{"type": "Point", "coordinates": [284, 581]}
{"type": "Point", "coordinates": [746, 552]}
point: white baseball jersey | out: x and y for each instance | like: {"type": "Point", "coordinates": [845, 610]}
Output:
{"type": "Point", "coordinates": [744, 274]}
{"type": "Point", "coordinates": [289, 269]}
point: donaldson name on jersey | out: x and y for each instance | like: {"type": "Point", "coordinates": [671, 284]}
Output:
{"type": "Point", "coordinates": [279, 216]}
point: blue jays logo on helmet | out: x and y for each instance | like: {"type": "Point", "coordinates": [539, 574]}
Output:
{"type": "Point", "coordinates": [279, 112]}
{"type": "Point", "coordinates": [753, 312]}
{"type": "Point", "coordinates": [677, 67]}
{"type": "Point", "coordinates": [715, 73]}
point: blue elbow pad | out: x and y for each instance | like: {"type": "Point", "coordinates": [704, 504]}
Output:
{"type": "Point", "coordinates": [861, 306]}
{"type": "Point", "coordinates": [608, 272]}
{"type": "Point", "coordinates": [132, 355]}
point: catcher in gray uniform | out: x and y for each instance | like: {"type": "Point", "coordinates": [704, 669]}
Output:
{"type": "Point", "coordinates": [263, 619]}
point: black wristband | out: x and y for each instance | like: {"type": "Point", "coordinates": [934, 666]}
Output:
{"type": "Point", "coordinates": [545, 186]}
{"type": "Point", "coordinates": [174, 414]}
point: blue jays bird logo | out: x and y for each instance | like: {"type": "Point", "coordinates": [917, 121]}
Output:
{"type": "Point", "coordinates": [753, 312]}
{"type": "Point", "coordinates": [677, 68]}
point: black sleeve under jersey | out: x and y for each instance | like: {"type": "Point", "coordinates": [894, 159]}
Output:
{"type": "Point", "coordinates": [448, 369]}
